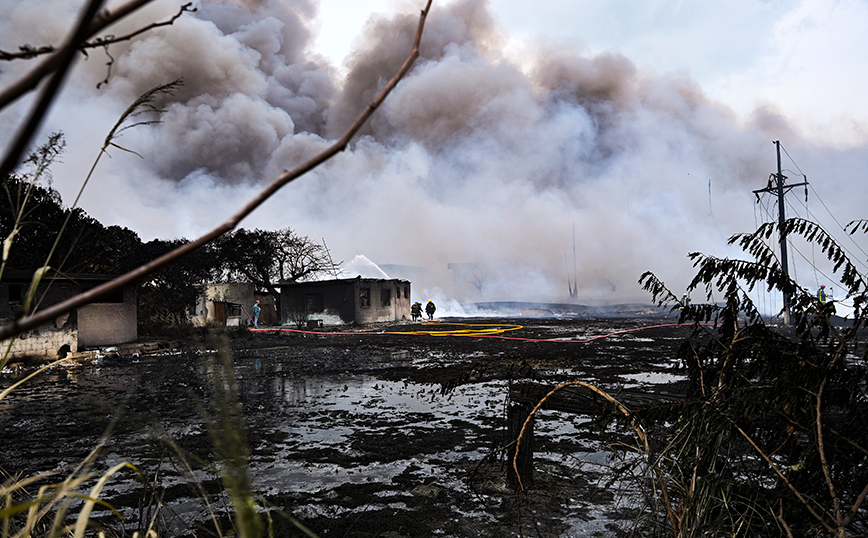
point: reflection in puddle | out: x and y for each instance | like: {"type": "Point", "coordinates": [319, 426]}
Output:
{"type": "Point", "coordinates": [308, 434]}
{"type": "Point", "coordinates": [652, 378]}
{"type": "Point", "coordinates": [347, 414]}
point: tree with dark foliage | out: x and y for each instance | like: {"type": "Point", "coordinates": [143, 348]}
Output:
{"type": "Point", "coordinates": [267, 258]}
{"type": "Point", "coordinates": [168, 297]}
{"type": "Point", "coordinates": [38, 231]}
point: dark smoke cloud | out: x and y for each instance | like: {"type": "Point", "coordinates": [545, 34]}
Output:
{"type": "Point", "coordinates": [476, 156]}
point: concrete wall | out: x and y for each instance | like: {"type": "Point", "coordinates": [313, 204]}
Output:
{"type": "Point", "coordinates": [101, 324]}
{"type": "Point", "coordinates": [44, 343]}
{"type": "Point", "coordinates": [240, 293]}
{"type": "Point", "coordinates": [111, 322]}
{"type": "Point", "coordinates": [232, 292]}
{"type": "Point", "coordinates": [346, 301]}
{"type": "Point", "coordinates": [389, 301]}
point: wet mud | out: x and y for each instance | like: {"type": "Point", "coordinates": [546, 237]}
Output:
{"type": "Point", "coordinates": [389, 435]}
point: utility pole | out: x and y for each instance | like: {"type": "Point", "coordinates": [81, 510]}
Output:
{"type": "Point", "coordinates": [776, 185]}
{"type": "Point", "coordinates": [574, 293]}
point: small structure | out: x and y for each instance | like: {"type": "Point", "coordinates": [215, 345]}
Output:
{"type": "Point", "coordinates": [108, 322]}
{"type": "Point", "coordinates": [226, 303]}
{"type": "Point", "coordinates": [353, 300]}
{"type": "Point", "coordinates": [468, 280]}
{"type": "Point", "coordinates": [269, 314]}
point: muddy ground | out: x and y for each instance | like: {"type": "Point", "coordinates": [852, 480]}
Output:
{"type": "Point", "coordinates": [360, 434]}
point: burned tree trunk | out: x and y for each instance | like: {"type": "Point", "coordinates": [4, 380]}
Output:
{"type": "Point", "coordinates": [517, 415]}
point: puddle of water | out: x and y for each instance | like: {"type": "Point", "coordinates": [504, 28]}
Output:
{"type": "Point", "coordinates": [336, 412]}
{"type": "Point", "coordinates": [308, 434]}
{"type": "Point", "coordinates": [652, 378]}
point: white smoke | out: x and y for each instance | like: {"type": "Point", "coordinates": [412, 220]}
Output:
{"type": "Point", "coordinates": [475, 157]}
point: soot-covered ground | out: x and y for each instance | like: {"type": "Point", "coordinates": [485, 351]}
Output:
{"type": "Point", "coordinates": [370, 432]}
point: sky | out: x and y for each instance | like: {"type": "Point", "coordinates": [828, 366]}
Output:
{"type": "Point", "coordinates": [640, 129]}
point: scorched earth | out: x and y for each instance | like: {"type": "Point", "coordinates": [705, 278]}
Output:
{"type": "Point", "coordinates": [362, 433]}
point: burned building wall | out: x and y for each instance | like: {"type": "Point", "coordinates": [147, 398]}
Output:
{"type": "Point", "coordinates": [358, 300]}
{"type": "Point", "coordinates": [46, 342]}
{"type": "Point", "coordinates": [225, 303]}
{"type": "Point", "coordinates": [110, 322]}
{"type": "Point", "coordinates": [382, 300]}
{"type": "Point", "coordinates": [333, 301]}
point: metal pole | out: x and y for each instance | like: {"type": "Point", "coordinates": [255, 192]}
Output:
{"type": "Point", "coordinates": [781, 189]}
{"type": "Point", "coordinates": [783, 232]}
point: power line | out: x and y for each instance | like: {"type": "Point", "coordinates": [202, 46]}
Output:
{"type": "Point", "coordinates": [838, 223]}
{"type": "Point", "coordinates": [812, 217]}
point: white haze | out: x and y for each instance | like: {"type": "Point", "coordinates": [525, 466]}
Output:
{"type": "Point", "coordinates": [478, 155]}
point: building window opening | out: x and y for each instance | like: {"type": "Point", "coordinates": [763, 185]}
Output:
{"type": "Point", "coordinates": [16, 295]}
{"type": "Point", "coordinates": [314, 302]}
{"type": "Point", "coordinates": [365, 297]}
{"type": "Point", "coordinates": [386, 297]}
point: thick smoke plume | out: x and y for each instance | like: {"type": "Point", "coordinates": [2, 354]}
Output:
{"type": "Point", "coordinates": [476, 158]}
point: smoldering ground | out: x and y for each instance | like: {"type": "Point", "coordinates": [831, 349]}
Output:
{"type": "Point", "coordinates": [361, 435]}
{"type": "Point", "coordinates": [478, 156]}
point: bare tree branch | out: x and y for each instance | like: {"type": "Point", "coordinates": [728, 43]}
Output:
{"type": "Point", "coordinates": [55, 61]}
{"type": "Point", "coordinates": [65, 60]}
{"type": "Point", "coordinates": [27, 52]}
{"type": "Point", "coordinates": [43, 316]}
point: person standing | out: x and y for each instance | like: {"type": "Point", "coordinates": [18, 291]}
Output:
{"type": "Point", "coordinates": [416, 311]}
{"type": "Point", "coordinates": [821, 294]}
{"type": "Point", "coordinates": [430, 309]}
{"type": "Point", "coordinates": [256, 311]}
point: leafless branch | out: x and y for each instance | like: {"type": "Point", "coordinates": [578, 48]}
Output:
{"type": "Point", "coordinates": [65, 54]}
{"type": "Point", "coordinates": [129, 279]}
{"type": "Point", "coordinates": [22, 140]}
{"type": "Point", "coordinates": [26, 52]}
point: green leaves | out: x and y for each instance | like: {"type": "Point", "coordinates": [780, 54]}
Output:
{"type": "Point", "coordinates": [771, 439]}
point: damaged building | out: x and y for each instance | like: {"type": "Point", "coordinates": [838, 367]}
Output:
{"type": "Point", "coordinates": [110, 321]}
{"type": "Point", "coordinates": [343, 301]}
{"type": "Point", "coordinates": [230, 304]}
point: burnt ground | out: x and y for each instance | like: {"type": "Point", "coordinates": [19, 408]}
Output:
{"type": "Point", "coordinates": [389, 435]}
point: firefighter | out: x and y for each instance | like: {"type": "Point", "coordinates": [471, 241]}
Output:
{"type": "Point", "coordinates": [821, 294]}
